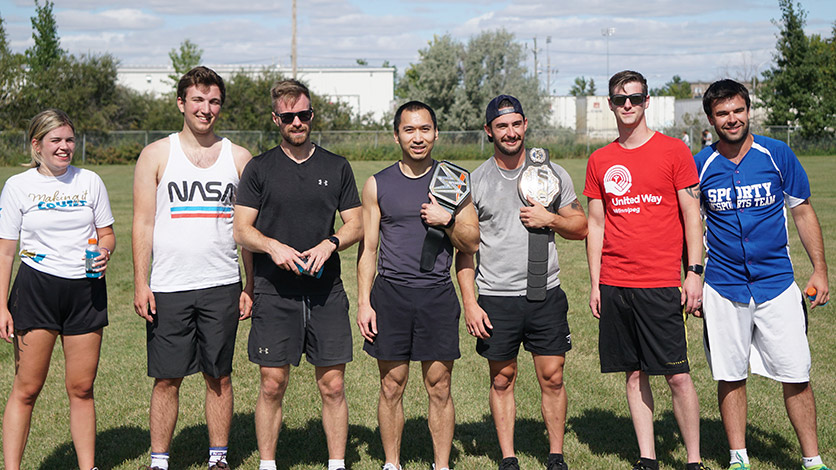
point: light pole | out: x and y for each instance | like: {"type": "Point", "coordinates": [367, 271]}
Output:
{"type": "Point", "coordinates": [607, 32]}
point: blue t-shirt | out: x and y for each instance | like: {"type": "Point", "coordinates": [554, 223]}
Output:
{"type": "Point", "coordinates": [746, 236]}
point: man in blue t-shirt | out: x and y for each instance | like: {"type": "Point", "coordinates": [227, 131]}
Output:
{"type": "Point", "coordinates": [410, 311]}
{"type": "Point", "coordinates": [754, 312]}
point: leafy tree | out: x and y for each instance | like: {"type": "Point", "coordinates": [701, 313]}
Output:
{"type": "Point", "coordinates": [458, 81]}
{"type": "Point", "coordinates": [800, 88]}
{"type": "Point", "coordinates": [676, 87]}
{"type": "Point", "coordinates": [186, 58]}
{"type": "Point", "coordinates": [11, 75]}
{"type": "Point", "coordinates": [582, 87]}
{"type": "Point", "coordinates": [47, 48]}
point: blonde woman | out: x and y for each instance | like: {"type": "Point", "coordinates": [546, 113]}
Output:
{"type": "Point", "coordinates": [53, 209]}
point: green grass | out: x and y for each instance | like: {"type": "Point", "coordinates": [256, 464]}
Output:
{"type": "Point", "coordinates": [599, 431]}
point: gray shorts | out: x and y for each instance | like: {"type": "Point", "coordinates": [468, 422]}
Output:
{"type": "Point", "coordinates": [285, 326]}
{"type": "Point", "coordinates": [193, 331]}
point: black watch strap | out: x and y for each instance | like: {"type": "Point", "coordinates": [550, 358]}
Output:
{"type": "Point", "coordinates": [336, 241]}
{"type": "Point", "coordinates": [695, 268]}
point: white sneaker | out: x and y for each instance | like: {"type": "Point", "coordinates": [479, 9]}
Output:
{"type": "Point", "coordinates": [391, 466]}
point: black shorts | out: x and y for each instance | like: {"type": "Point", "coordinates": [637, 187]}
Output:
{"type": "Point", "coordinates": [417, 324]}
{"type": "Point", "coordinates": [193, 331]}
{"type": "Point", "coordinates": [642, 329]}
{"type": "Point", "coordinates": [285, 326]}
{"type": "Point", "coordinates": [541, 327]}
{"type": "Point", "coordinates": [69, 306]}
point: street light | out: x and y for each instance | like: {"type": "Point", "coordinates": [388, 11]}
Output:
{"type": "Point", "coordinates": [607, 32]}
{"type": "Point", "coordinates": [548, 67]}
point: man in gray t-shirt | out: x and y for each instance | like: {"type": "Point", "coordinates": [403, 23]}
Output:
{"type": "Point", "coordinates": [504, 316]}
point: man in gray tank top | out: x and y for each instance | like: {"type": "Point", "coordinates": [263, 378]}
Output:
{"type": "Point", "coordinates": [410, 312]}
{"type": "Point", "coordinates": [506, 314]}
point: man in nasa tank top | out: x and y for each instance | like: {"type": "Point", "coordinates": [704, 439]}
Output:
{"type": "Point", "coordinates": [184, 190]}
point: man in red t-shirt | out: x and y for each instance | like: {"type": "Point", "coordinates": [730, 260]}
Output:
{"type": "Point", "coordinates": [642, 188]}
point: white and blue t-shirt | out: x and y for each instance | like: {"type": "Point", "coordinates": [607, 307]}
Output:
{"type": "Point", "coordinates": [746, 235]}
{"type": "Point", "coordinates": [53, 216]}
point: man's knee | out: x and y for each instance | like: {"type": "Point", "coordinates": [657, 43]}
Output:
{"type": "Point", "coordinates": [502, 379]}
{"type": "Point", "coordinates": [680, 382]}
{"type": "Point", "coordinates": [392, 387]}
{"type": "Point", "coordinates": [274, 383]}
{"type": "Point", "coordinates": [167, 387]}
{"type": "Point", "coordinates": [332, 389]}
{"type": "Point", "coordinates": [219, 385]}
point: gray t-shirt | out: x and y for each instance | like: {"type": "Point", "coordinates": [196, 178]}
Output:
{"type": "Point", "coordinates": [502, 260]}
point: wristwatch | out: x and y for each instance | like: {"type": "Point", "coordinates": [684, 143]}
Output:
{"type": "Point", "coordinates": [695, 268]}
{"type": "Point", "coordinates": [335, 241]}
{"type": "Point", "coordinates": [452, 220]}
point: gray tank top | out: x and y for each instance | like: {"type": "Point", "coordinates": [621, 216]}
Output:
{"type": "Point", "coordinates": [402, 231]}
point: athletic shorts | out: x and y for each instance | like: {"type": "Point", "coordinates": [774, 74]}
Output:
{"type": "Point", "coordinates": [642, 329]}
{"type": "Point", "coordinates": [414, 324]}
{"type": "Point", "coordinates": [771, 337]}
{"type": "Point", "coordinates": [541, 327]}
{"type": "Point", "coordinates": [69, 306]}
{"type": "Point", "coordinates": [285, 326]}
{"type": "Point", "coordinates": [193, 331]}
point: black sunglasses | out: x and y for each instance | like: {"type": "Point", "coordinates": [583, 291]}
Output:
{"type": "Point", "coordinates": [287, 118]}
{"type": "Point", "coordinates": [635, 99]}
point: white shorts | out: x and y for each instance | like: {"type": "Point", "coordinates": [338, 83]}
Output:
{"type": "Point", "coordinates": [771, 337]}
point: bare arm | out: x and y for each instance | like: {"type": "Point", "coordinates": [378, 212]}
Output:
{"type": "Point", "coordinates": [689, 206]}
{"type": "Point", "coordinates": [464, 234]}
{"type": "Point", "coordinates": [366, 260]}
{"type": "Point", "coordinates": [809, 231]}
{"type": "Point", "coordinates": [245, 302]}
{"type": "Point", "coordinates": [476, 319]}
{"type": "Point", "coordinates": [107, 244]}
{"type": "Point", "coordinates": [569, 222]}
{"type": "Point", "coordinates": [350, 233]}
{"type": "Point", "coordinates": [146, 175]}
{"type": "Point", "coordinates": [250, 238]}
{"type": "Point", "coordinates": [7, 257]}
{"type": "Point", "coordinates": [594, 248]}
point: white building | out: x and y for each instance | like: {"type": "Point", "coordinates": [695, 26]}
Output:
{"type": "Point", "coordinates": [591, 115]}
{"type": "Point", "coordinates": [365, 89]}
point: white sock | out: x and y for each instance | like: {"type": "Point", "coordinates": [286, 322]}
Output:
{"type": "Point", "coordinates": [217, 454]}
{"type": "Point", "coordinates": [267, 465]}
{"type": "Point", "coordinates": [811, 461]}
{"type": "Point", "coordinates": [739, 455]}
{"type": "Point", "coordinates": [159, 459]}
{"type": "Point", "coordinates": [336, 464]}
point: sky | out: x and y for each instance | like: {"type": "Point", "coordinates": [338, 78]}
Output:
{"type": "Point", "coordinates": [699, 41]}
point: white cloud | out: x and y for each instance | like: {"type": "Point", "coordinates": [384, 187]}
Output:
{"type": "Point", "coordinates": [117, 19]}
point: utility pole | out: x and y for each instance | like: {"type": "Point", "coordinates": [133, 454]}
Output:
{"type": "Point", "coordinates": [536, 75]}
{"type": "Point", "coordinates": [548, 67]}
{"type": "Point", "coordinates": [293, 42]}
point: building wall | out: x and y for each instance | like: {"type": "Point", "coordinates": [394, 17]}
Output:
{"type": "Point", "coordinates": [594, 118]}
{"type": "Point", "coordinates": [365, 89]}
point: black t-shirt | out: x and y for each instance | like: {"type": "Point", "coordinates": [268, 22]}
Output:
{"type": "Point", "coordinates": [297, 205]}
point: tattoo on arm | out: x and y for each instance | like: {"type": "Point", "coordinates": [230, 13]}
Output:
{"type": "Point", "coordinates": [576, 205]}
{"type": "Point", "coordinates": [693, 191]}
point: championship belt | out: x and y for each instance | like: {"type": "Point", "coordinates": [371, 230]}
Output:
{"type": "Point", "coordinates": [538, 181]}
{"type": "Point", "coordinates": [450, 185]}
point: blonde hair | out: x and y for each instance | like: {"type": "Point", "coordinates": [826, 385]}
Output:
{"type": "Point", "coordinates": [289, 92]}
{"type": "Point", "coordinates": [42, 124]}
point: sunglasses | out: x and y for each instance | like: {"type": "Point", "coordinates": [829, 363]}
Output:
{"type": "Point", "coordinates": [635, 99]}
{"type": "Point", "coordinates": [288, 118]}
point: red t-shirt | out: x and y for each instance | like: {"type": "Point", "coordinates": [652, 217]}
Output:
{"type": "Point", "coordinates": [642, 223]}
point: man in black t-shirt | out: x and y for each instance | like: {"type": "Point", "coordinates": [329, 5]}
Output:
{"type": "Point", "coordinates": [285, 213]}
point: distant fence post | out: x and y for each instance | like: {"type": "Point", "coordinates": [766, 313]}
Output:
{"type": "Point", "coordinates": [83, 147]}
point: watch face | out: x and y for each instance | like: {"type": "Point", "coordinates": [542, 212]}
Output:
{"type": "Point", "coordinates": [450, 184]}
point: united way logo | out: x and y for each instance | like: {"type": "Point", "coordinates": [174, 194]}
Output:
{"type": "Point", "coordinates": [617, 180]}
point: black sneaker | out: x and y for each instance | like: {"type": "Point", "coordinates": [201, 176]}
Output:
{"type": "Point", "coordinates": [640, 466]}
{"type": "Point", "coordinates": [509, 463]}
{"type": "Point", "coordinates": [220, 466]}
{"type": "Point", "coordinates": [554, 464]}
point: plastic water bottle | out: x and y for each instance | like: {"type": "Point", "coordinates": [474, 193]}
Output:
{"type": "Point", "coordinates": [811, 295]}
{"type": "Point", "coordinates": [90, 254]}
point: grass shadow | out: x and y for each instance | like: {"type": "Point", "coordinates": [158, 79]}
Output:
{"type": "Point", "coordinates": [113, 446]}
{"type": "Point", "coordinates": [478, 438]}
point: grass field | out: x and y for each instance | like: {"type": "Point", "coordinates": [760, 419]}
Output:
{"type": "Point", "coordinates": [599, 430]}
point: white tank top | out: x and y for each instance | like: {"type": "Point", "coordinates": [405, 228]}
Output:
{"type": "Point", "coordinates": [193, 246]}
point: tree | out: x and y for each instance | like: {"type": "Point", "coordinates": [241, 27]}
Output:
{"type": "Point", "coordinates": [47, 48]}
{"type": "Point", "coordinates": [458, 81]}
{"type": "Point", "coordinates": [11, 75]}
{"type": "Point", "coordinates": [582, 87]}
{"type": "Point", "coordinates": [186, 58]}
{"type": "Point", "coordinates": [800, 88]}
{"type": "Point", "coordinates": [676, 87]}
